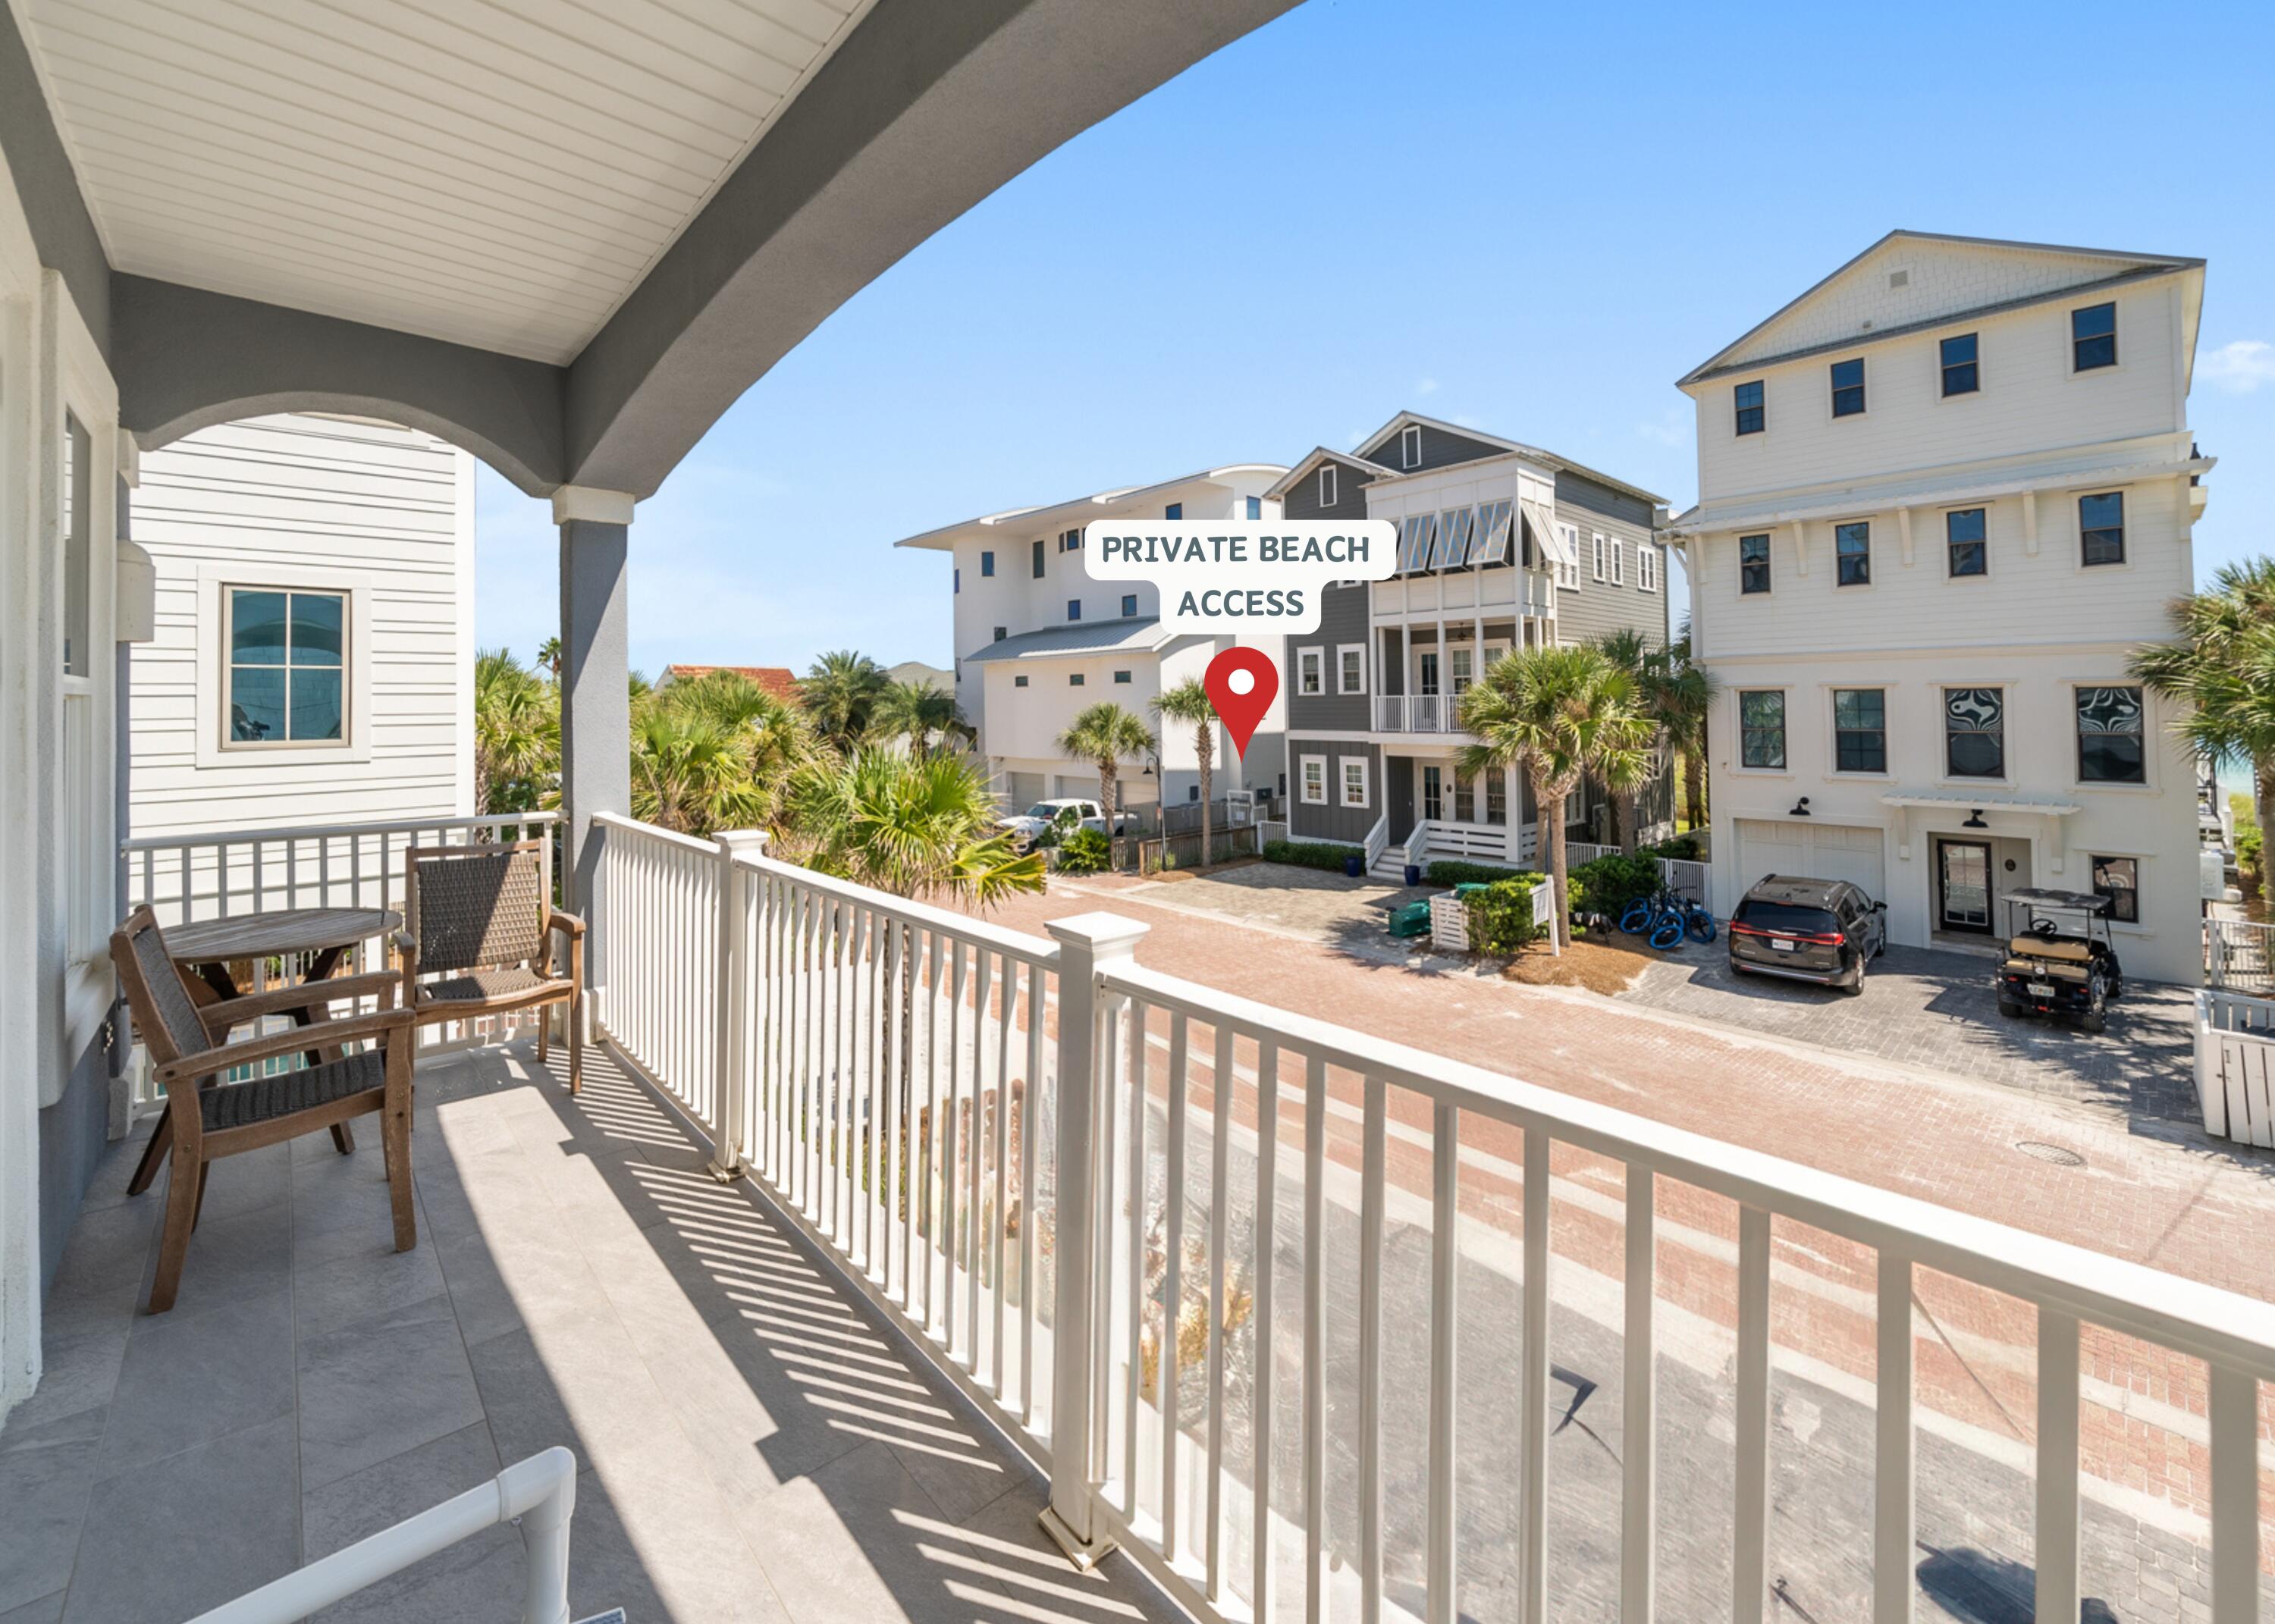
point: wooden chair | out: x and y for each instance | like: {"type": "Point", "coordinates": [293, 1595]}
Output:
{"type": "Point", "coordinates": [208, 1119]}
{"type": "Point", "coordinates": [482, 917]}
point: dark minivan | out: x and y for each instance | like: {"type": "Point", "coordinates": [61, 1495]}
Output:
{"type": "Point", "coordinates": [1807, 930]}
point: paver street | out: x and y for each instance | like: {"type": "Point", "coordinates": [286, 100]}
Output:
{"type": "Point", "coordinates": [2167, 1198]}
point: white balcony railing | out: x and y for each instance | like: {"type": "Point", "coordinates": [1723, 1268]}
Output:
{"type": "Point", "coordinates": [220, 874]}
{"type": "Point", "coordinates": [1413, 713]}
{"type": "Point", "coordinates": [1162, 1234]}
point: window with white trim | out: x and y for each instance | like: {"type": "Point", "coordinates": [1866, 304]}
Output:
{"type": "Point", "coordinates": [1354, 780]}
{"type": "Point", "coordinates": [1312, 780]}
{"type": "Point", "coordinates": [1350, 667]}
{"type": "Point", "coordinates": [1619, 563]}
{"type": "Point", "coordinates": [1409, 446]}
{"type": "Point", "coordinates": [1600, 557]}
{"type": "Point", "coordinates": [1326, 485]}
{"type": "Point", "coordinates": [1646, 566]}
{"type": "Point", "coordinates": [1566, 566]}
{"type": "Point", "coordinates": [1310, 670]}
{"type": "Point", "coordinates": [288, 676]}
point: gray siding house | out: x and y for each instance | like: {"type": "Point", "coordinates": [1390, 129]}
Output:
{"type": "Point", "coordinates": [1502, 546]}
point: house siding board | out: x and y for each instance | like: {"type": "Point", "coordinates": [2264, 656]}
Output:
{"type": "Point", "coordinates": [1439, 448]}
{"type": "Point", "coordinates": [1342, 619]}
{"type": "Point", "coordinates": [301, 493]}
{"type": "Point", "coordinates": [1577, 491]}
{"type": "Point", "coordinates": [1334, 821]}
{"type": "Point", "coordinates": [1303, 501]}
{"type": "Point", "coordinates": [1596, 607]}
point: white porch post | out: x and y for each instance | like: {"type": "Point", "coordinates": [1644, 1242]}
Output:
{"type": "Point", "coordinates": [596, 736]}
{"type": "Point", "coordinates": [732, 1038]}
{"type": "Point", "coordinates": [1086, 944]}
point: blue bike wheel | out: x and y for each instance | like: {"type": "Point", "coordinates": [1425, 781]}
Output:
{"type": "Point", "coordinates": [1668, 932]}
{"type": "Point", "coordinates": [1637, 918]}
{"type": "Point", "coordinates": [1700, 925]}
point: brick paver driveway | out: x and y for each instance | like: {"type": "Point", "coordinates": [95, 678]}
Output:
{"type": "Point", "coordinates": [1937, 1010]}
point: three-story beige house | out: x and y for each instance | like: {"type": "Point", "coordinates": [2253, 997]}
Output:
{"type": "Point", "coordinates": [1942, 494]}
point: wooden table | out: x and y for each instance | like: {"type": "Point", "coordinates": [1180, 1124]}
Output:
{"type": "Point", "coordinates": [208, 947]}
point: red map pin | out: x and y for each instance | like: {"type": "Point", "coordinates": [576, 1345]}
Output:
{"type": "Point", "coordinates": [1241, 683]}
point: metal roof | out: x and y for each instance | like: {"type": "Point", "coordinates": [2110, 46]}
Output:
{"type": "Point", "coordinates": [1142, 634]}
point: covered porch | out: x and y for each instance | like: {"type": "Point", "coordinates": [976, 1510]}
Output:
{"type": "Point", "coordinates": [752, 1442]}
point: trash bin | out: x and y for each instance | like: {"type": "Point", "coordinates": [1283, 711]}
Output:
{"type": "Point", "coordinates": [1413, 873]}
{"type": "Point", "coordinates": [1354, 865]}
{"type": "Point", "coordinates": [1411, 920]}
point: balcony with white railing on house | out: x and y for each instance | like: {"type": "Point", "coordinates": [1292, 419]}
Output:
{"type": "Point", "coordinates": [1415, 713]}
{"type": "Point", "coordinates": [1307, 1323]}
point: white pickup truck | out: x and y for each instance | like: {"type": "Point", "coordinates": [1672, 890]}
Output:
{"type": "Point", "coordinates": [1028, 826]}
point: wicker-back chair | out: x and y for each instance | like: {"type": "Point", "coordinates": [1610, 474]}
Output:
{"type": "Point", "coordinates": [480, 920]}
{"type": "Point", "coordinates": [207, 1120]}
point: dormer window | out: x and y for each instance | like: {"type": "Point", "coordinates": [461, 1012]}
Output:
{"type": "Point", "coordinates": [1849, 388]}
{"type": "Point", "coordinates": [1748, 398]}
{"type": "Point", "coordinates": [1409, 446]}
{"type": "Point", "coordinates": [1326, 485]}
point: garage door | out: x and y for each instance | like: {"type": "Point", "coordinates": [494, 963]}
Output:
{"type": "Point", "coordinates": [1023, 789]}
{"type": "Point", "coordinates": [1813, 852]}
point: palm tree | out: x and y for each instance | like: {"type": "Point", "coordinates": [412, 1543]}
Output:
{"type": "Point", "coordinates": [1188, 702]}
{"type": "Point", "coordinates": [924, 714]}
{"type": "Point", "coordinates": [915, 826]}
{"type": "Point", "coordinates": [548, 656]}
{"type": "Point", "coordinates": [1677, 695]}
{"type": "Point", "coordinates": [1629, 650]}
{"type": "Point", "coordinates": [2221, 665]}
{"type": "Point", "coordinates": [841, 691]}
{"type": "Point", "coordinates": [517, 735]}
{"type": "Point", "coordinates": [715, 751]}
{"type": "Point", "coordinates": [1106, 735]}
{"type": "Point", "coordinates": [1558, 712]}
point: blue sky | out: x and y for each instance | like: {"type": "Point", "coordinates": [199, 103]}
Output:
{"type": "Point", "coordinates": [1531, 218]}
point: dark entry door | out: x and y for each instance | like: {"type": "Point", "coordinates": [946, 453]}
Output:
{"type": "Point", "coordinates": [1963, 886]}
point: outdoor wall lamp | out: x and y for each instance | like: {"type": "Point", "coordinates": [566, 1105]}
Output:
{"type": "Point", "coordinates": [1975, 820]}
{"type": "Point", "coordinates": [1800, 808]}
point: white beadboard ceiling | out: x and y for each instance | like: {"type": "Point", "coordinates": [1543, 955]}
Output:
{"type": "Point", "coordinates": [499, 173]}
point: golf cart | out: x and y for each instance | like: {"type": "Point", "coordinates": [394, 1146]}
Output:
{"type": "Point", "coordinates": [2060, 960]}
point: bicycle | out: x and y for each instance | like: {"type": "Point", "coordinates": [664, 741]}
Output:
{"type": "Point", "coordinates": [1665, 917]}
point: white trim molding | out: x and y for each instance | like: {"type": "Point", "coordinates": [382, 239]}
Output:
{"type": "Point", "coordinates": [211, 649]}
{"type": "Point", "coordinates": [592, 504]}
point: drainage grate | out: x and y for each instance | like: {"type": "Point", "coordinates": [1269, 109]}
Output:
{"type": "Point", "coordinates": [2054, 1153]}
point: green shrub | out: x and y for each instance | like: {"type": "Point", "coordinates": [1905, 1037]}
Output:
{"type": "Point", "coordinates": [1686, 847]}
{"type": "Point", "coordinates": [1607, 885]}
{"type": "Point", "coordinates": [1085, 851]}
{"type": "Point", "coordinates": [1456, 871]}
{"type": "Point", "coordinates": [2250, 846]}
{"type": "Point", "coordinates": [1309, 853]}
{"type": "Point", "coordinates": [1501, 915]}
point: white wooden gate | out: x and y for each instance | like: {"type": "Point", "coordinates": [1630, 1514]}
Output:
{"type": "Point", "coordinates": [2235, 1067]}
{"type": "Point", "coordinates": [2240, 956]}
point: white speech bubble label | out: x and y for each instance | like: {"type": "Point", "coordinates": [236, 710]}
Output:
{"type": "Point", "coordinates": [1252, 578]}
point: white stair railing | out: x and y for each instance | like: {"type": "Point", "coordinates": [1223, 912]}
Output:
{"type": "Point", "coordinates": [890, 1075]}
{"type": "Point", "coordinates": [540, 1492]}
{"type": "Point", "coordinates": [1377, 839]}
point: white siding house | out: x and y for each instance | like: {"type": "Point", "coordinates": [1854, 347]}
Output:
{"type": "Point", "coordinates": [1037, 640]}
{"type": "Point", "coordinates": [314, 656]}
{"type": "Point", "coordinates": [1942, 496]}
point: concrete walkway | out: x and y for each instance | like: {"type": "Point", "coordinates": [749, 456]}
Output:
{"type": "Point", "coordinates": [754, 1446]}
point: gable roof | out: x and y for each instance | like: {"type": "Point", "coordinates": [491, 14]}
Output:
{"type": "Point", "coordinates": [1302, 471]}
{"type": "Point", "coordinates": [1507, 448]}
{"type": "Point", "coordinates": [777, 680]}
{"type": "Point", "coordinates": [2063, 272]}
{"type": "Point", "coordinates": [1077, 509]}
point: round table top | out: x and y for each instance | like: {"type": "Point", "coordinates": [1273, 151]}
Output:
{"type": "Point", "coordinates": [278, 932]}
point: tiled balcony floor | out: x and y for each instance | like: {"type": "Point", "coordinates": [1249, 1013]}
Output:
{"type": "Point", "coordinates": [753, 1444]}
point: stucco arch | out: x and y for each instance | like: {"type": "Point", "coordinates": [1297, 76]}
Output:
{"type": "Point", "coordinates": [187, 359]}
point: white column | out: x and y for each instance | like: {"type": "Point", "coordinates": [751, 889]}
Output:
{"type": "Point", "coordinates": [732, 1048]}
{"type": "Point", "coordinates": [595, 669]}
